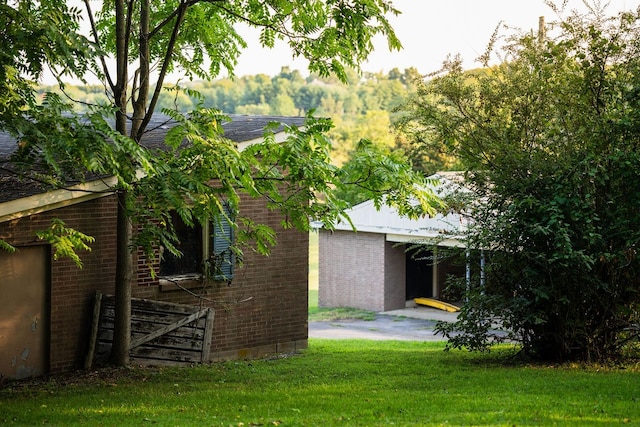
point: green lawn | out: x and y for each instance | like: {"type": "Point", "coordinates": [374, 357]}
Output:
{"type": "Point", "coordinates": [336, 382]}
{"type": "Point", "coordinates": [345, 383]}
{"type": "Point", "coordinates": [313, 261]}
{"type": "Point", "coordinates": [313, 271]}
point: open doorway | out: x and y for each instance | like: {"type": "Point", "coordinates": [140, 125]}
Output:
{"type": "Point", "coordinates": [419, 271]}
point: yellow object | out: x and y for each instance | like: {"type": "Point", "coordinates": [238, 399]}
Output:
{"type": "Point", "coordinates": [429, 302]}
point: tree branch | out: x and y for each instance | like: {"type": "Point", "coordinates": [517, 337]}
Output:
{"type": "Point", "coordinates": [140, 101]}
{"type": "Point", "coordinates": [94, 31]}
{"type": "Point", "coordinates": [280, 30]}
{"type": "Point", "coordinates": [173, 14]}
{"type": "Point", "coordinates": [182, 9]}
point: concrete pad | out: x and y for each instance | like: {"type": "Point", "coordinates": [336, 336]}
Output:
{"type": "Point", "coordinates": [414, 324]}
{"type": "Point", "coordinates": [425, 313]}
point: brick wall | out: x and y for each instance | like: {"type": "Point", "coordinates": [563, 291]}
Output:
{"type": "Point", "coordinates": [264, 310]}
{"type": "Point", "coordinates": [395, 276]}
{"type": "Point", "coordinates": [360, 270]}
{"type": "Point", "coordinates": [265, 307]}
{"type": "Point", "coordinates": [72, 289]}
{"type": "Point", "coordinates": [351, 270]}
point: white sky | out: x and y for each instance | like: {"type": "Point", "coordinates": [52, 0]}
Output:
{"type": "Point", "coordinates": [431, 29]}
{"type": "Point", "coordinates": [428, 29]}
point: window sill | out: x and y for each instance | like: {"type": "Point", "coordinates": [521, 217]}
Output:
{"type": "Point", "coordinates": [176, 283]}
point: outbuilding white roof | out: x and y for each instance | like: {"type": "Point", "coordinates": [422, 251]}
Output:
{"type": "Point", "coordinates": [446, 230]}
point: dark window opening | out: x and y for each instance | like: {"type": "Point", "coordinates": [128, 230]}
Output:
{"type": "Point", "coordinates": [190, 244]}
{"type": "Point", "coordinates": [218, 251]}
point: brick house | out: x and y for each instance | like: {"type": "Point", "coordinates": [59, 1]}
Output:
{"type": "Point", "coordinates": [46, 306]}
{"type": "Point", "coordinates": [374, 267]}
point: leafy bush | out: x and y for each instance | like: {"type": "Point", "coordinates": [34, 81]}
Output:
{"type": "Point", "coordinates": [551, 142]}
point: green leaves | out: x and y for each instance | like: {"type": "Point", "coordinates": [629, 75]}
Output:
{"type": "Point", "coordinates": [195, 170]}
{"type": "Point", "coordinates": [386, 177]}
{"type": "Point", "coordinates": [549, 139]}
{"type": "Point", "coordinates": [6, 246]}
{"type": "Point", "coordinates": [34, 36]}
{"type": "Point", "coordinates": [331, 35]}
{"type": "Point", "coordinates": [65, 241]}
{"type": "Point", "coordinates": [294, 177]}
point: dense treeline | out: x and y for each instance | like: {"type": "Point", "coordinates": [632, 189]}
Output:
{"type": "Point", "coordinates": [363, 108]}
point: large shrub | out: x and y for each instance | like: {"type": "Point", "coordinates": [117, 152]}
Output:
{"type": "Point", "coordinates": [550, 139]}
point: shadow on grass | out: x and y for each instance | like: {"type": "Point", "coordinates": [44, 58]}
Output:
{"type": "Point", "coordinates": [324, 314]}
{"type": "Point", "coordinates": [319, 314]}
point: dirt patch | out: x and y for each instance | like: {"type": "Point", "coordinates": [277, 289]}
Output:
{"type": "Point", "coordinates": [107, 376]}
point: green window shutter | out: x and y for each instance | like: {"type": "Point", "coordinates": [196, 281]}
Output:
{"type": "Point", "coordinates": [222, 239]}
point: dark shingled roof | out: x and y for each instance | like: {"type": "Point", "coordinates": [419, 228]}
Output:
{"type": "Point", "coordinates": [240, 129]}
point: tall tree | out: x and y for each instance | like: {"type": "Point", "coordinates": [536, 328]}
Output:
{"type": "Point", "coordinates": [188, 34]}
{"type": "Point", "coordinates": [551, 142]}
{"type": "Point", "coordinates": [147, 40]}
{"type": "Point", "coordinates": [33, 36]}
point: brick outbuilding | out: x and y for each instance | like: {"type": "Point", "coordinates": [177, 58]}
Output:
{"type": "Point", "coordinates": [374, 267]}
{"type": "Point", "coordinates": [46, 304]}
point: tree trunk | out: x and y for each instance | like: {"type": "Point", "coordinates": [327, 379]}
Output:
{"type": "Point", "coordinates": [124, 275]}
{"type": "Point", "coordinates": [124, 264]}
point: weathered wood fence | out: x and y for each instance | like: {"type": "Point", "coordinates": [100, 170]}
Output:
{"type": "Point", "coordinates": [161, 333]}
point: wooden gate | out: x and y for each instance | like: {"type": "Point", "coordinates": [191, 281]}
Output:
{"type": "Point", "coordinates": [161, 332]}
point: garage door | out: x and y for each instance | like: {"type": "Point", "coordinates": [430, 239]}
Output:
{"type": "Point", "coordinates": [24, 312]}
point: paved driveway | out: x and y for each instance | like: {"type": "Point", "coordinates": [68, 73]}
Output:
{"type": "Point", "coordinates": [411, 324]}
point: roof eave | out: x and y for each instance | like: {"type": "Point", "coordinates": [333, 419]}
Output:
{"type": "Point", "coordinates": [55, 199]}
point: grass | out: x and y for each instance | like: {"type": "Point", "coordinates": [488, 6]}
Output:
{"type": "Point", "coordinates": [339, 313]}
{"type": "Point", "coordinates": [345, 383]}
{"type": "Point", "coordinates": [317, 314]}
{"type": "Point", "coordinates": [336, 383]}
{"type": "Point", "coordinates": [313, 261]}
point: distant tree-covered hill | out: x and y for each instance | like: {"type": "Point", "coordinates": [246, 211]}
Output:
{"type": "Point", "coordinates": [363, 108]}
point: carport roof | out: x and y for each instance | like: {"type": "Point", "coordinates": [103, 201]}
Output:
{"type": "Point", "coordinates": [445, 229]}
